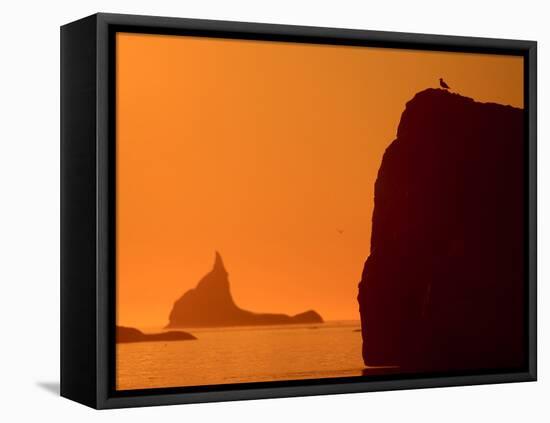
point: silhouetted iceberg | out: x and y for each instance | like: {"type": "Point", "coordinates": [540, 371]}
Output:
{"type": "Point", "coordinates": [210, 304]}
{"type": "Point", "coordinates": [443, 287]}
{"type": "Point", "coordinates": [126, 334]}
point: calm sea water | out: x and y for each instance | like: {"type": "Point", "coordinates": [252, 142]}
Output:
{"type": "Point", "coordinates": [244, 354]}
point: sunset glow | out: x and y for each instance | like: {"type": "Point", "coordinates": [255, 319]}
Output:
{"type": "Point", "coordinates": [266, 152]}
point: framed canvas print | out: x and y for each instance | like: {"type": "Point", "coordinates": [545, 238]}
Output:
{"type": "Point", "coordinates": [256, 211]}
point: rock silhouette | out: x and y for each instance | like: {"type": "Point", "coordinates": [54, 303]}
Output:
{"type": "Point", "coordinates": [126, 334]}
{"type": "Point", "coordinates": [210, 304]}
{"type": "Point", "coordinates": [443, 287]}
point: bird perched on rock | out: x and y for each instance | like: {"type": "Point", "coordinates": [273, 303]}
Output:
{"type": "Point", "coordinates": [443, 84]}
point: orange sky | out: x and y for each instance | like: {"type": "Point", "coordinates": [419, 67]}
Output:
{"type": "Point", "coordinates": [263, 151]}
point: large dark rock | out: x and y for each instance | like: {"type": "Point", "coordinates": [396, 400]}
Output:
{"type": "Point", "coordinates": [443, 287]}
{"type": "Point", "coordinates": [210, 304]}
{"type": "Point", "coordinates": [126, 334]}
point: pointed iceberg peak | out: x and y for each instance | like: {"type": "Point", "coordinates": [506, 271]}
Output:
{"type": "Point", "coordinates": [218, 264]}
{"type": "Point", "coordinates": [210, 304]}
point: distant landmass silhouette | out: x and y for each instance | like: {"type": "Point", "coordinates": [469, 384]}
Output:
{"type": "Point", "coordinates": [210, 304]}
{"type": "Point", "coordinates": [126, 334]}
{"type": "Point", "coordinates": [443, 287]}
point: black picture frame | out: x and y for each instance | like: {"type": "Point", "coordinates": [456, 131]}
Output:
{"type": "Point", "coordinates": [88, 214]}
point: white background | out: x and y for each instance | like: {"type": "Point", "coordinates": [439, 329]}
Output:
{"type": "Point", "coordinates": [29, 212]}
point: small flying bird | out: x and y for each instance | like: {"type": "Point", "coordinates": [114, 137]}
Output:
{"type": "Point", "coordinates": [443, 84]}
